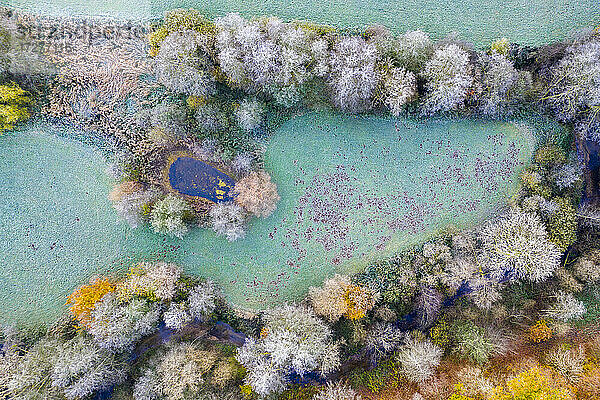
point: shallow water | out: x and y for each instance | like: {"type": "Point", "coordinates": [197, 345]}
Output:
{"type": "Point", "coordinates": [352, 188]}
{"type": "Point", "coordinates": [530, 22]}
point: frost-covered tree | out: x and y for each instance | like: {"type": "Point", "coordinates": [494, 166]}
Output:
{"type": "Point", "coordinates": [152, 280]}
{"type": "Point", "coordinates": [242, 163]}
{"type": "Point", "coordinates": [339, 297]}
{"type": "Point", "coordinates": [565, 308]}
{"type": "Point", "coordinates": [27, 376]}
{"type": "Point", "coordinates": [418, 359]}
{"type": "Point", "coordinates": [257, 194]}
{"type": "Point", "coordinates": [448, 76]}
{"type": "Point", "coordinates": [164, 123]}
{"type": "Point", "coordinates": [518, 245]}
{"type": "Point", "coordinates": [177, 316]}
{"type": "Point", "coordinates": [383, 339]}
{"type": "Point", "coordinates": [265, 54]}
{"type": "Point", "coordinates": [412, 50]}
{"type": "Point", "coordinates": [168, 216]}
{"type": "Point", "coordinates": [117, 326]}
{"type": "Point", "coordinates": [293, 339]}
{"type": "Point", "coordinates": [81, 367]}
{"type": "Point", "coordinates": [128, 199]}
{"type": "Point", "coordinates": [202, 299]}
{"type": "Point", "coordinates": [575, 85]}
{"type": "Point", "coordinates": [353, 75]}
{"type": "Point", "coordinates": [228, 219]}
{"type": "Point", "coordinates": [398, 88]}
{"type": "Point", "coordinates": [183, 64]}
{"type": "Point", "coordinates": [249, 114]}
{"type": "Point", "coordinates": [502, 85]}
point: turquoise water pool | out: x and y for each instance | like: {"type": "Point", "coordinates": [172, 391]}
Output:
{"type": "Point", "coordinates": [352, 188]}
{"type": "Point", "coordinates": [530, 22]}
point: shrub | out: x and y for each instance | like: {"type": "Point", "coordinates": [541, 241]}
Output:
{"type": "Point", "coordinates": [84, 299]}
{"type": "Point", "coordinates": [518, 245]}
{"type": "Point", "coordinates": [398, 87]}
{"type": "Point", "coordinates": [566, 307]}
{"type": "Point", "coordinates": [339, 297]}
{"type": "Point", "coordinates": [183, 64]}
{"type": "Point", "coordinates": [14, 102]}
{"type": "Point", "coordinates": [228, 219]}
{"type": "Point", "coordinates": [501, 46]}
{"type": "Point", "coordinates": [471, 343]}
{"type": "Point", "coordinates": [168, 216]}
{"type": "Point", "coordinates": [152, 280]}
{"type": "Point", "coordinates": [257, 194]}
{"type": "Point", "coordinates": [587, 267]}
{"type": "Point", "coordinates": [539, 332]}
{"type": "Point", "coordinates": [353, 77]}
{"type": "Point", "coordinates": [249, 114]}
{"type": "Point", "coordinates": [562, 225]}
{"type": "Point", "coordinates": [81, 368]}
{"type": "Point", "coordinates": [118, 326]}
{"type": "Point", "coordinates": [180, 20]}
{"type": "Point", "coordinates": [294, 339]}
{"type": "Point", "coordinates": [418, 359]}
{"type": "Point", "coordinates": [567, 361]}
{"type": "Point", "coordinates": [448, 78]}
{"type": "Point", "coordinates": [484, 292]}
{"type": "Point", "coordinates": [337, 391]}
{"type": "Point", "coordinates": [242, 163]}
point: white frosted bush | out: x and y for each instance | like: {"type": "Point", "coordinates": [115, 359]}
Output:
{"type": "Point", "coordinates": [566, 307]}
{"type": "Point", "coordinates": [183, 65]}
{"type": "Point", "coordinates": [587, 267]}
{"type": "Point", "coordinates": [458, 271]}
{"type": "Point", "coordinates": [228, 219]}
{"type": "Point", "coordinates": [418, 359]}
{"type": "Point", "coordinates": [168, 216]}
{"type": "Point", "coordinates": [412, 50]}
{"type": "Point", "coordinates": [295, 339]}
{"type": "Point", "coordinates": [328, 300]}
{"type": "Point", "coordinates": [249, 114]}
{"type": "Point", "coordinates": [353, 76]}
{"type": "Point", "coordinates": [202, 299]}
{"type": "Point", "coordinates": [399, 88]}
{"type": "Point", "coordinates": [448, 78]}
{"type": "Point", "coordinates": [118, 326]}
{"type": "Point", "coordinates": [176, 316]}
{"type": "Point", "coordinates": [81, 368]}
{"type": "Point", "coordinates": [337, 391]}
{"type": "Point", "coordinates": [518, 245]}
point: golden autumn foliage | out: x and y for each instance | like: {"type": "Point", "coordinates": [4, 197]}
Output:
{"type": "Point", "coordinates": [84, 299]}
{"type": "Point", "coordinates": [536, 383]}
{"type": "Point", "coordinates": [13, 106]}
{"type": "Point", "coordinates": [539, 332]}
